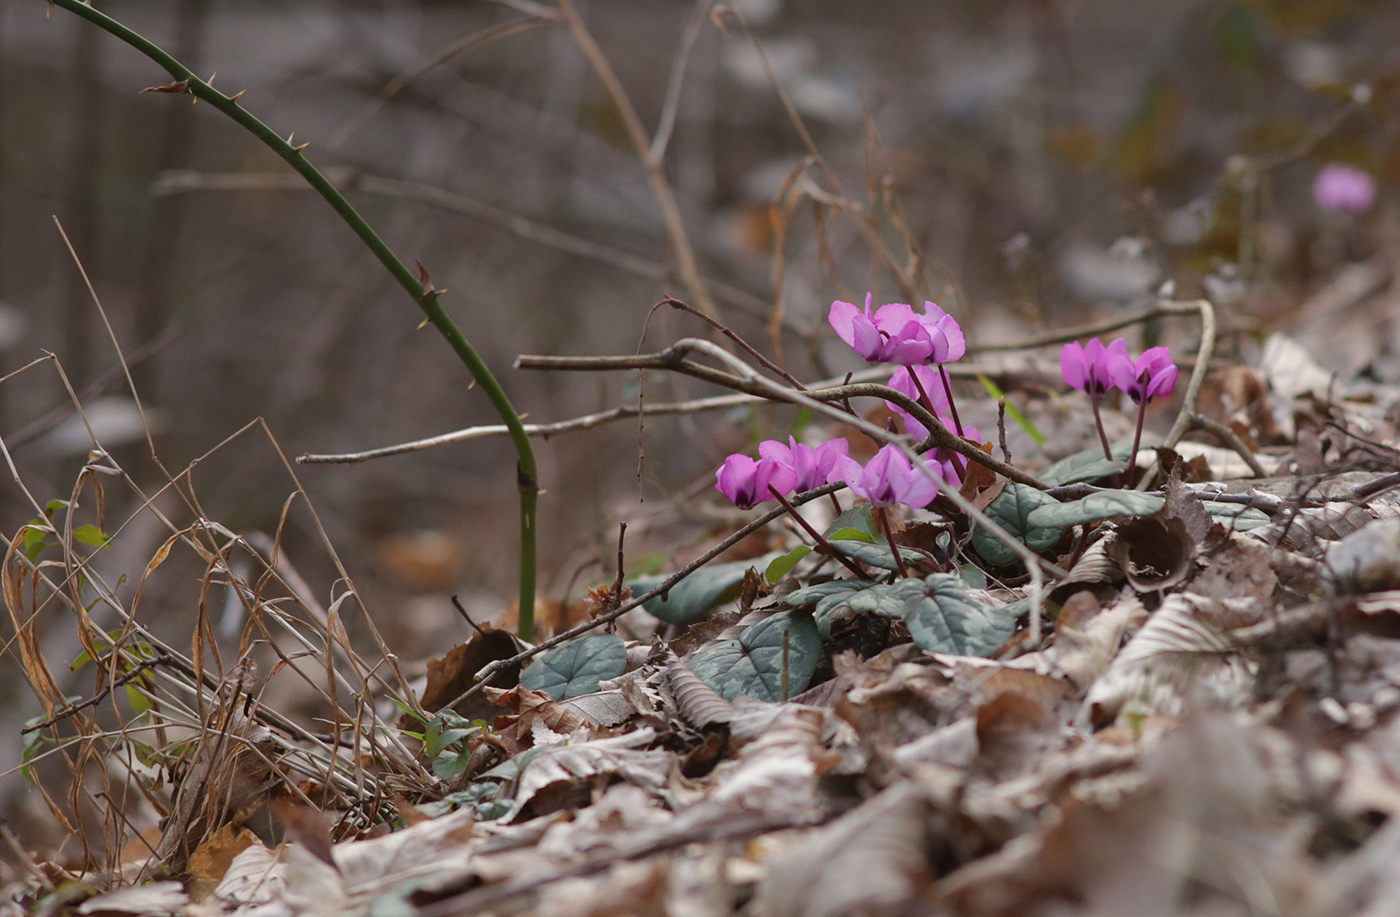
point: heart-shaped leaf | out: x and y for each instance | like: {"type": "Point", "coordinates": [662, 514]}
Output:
{"type": "Point", "coordinates": [1088, 465]}
{"type": "Point", "coordinates": [1011, 510]}
{"type": "Point", "coordinates": [753, 665]}
{"type": "Point", "coordinates": [945, 617]}
{"type": "Point", "coordinates": [700, 591]}
{"type": "Point", "coordinates": [1096, 506]}
{"type": "Point", "coordinates": [857, 518]}
{"type": "Point", "coordinates": [886, 599]}
{"type": "Point", "coordinates": [880, 555]}
{"type": "Point", "coordinates": [577, 667]}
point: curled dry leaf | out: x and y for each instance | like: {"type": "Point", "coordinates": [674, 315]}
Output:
{"type": "Point", "coordinates": [882, 851]}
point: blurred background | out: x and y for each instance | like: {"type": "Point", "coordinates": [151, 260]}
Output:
{"type": "Point", "coordinates": [1026, 164]}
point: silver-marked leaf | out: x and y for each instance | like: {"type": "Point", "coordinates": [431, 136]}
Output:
{"type": "Point", "coordinates": [1011, 510]}
{"type": "Point", "coordinates": [1096, 506]}
{"type": "Point", "coordinates": [1088, 465]}
{"type": "Point", "coordinates": [860, 595]}
{"type": "Point", "coordinates": [1237, 516]}
{"type": "Point", "coordinates": [945, 617]}
{"type": "Point", "coordinates": [858, 518]}
{"type": "Point", "coordinates": [753, 665]}
{"type": "Point", "coordinates": [880, 555]}
{"type": "Point", "coordinates": [700, 591]}
{"type": "Point", "coordinates": [576, 667]}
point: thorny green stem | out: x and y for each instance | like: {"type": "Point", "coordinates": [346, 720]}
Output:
{"type": "Point", "coordinates": [425, 296]}
{"type": "Point", "coordinates": [817, 536]}
{"type": "Point", "coordinates": [881, 512]}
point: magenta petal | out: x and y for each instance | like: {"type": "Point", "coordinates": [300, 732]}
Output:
{"type": "Point", "coordinates": [949, 343]}
{"type": "Point", "coordinates": [841, 317]}
{"type": "Point", "coordinates": [1115, 368]}
{"type": "Point", "coordinates": [1074, 366]}
{"type": "Point", "coordinates": [736, 480]}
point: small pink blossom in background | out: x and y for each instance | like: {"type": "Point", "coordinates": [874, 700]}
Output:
{"type": "Point", "coordinates": [1094, 368]}
{"type": "Point", "coordinates": [888, 478]}
{"type": "Point", "coordinates": [1343, 189]}
{"type": "Point", "coordinates": [811, 467]}
{"type": "Point", "coordinates": [746, 481]}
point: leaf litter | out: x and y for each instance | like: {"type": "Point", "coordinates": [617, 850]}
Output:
{"type": "Point", "coordinates": [1208, 726]}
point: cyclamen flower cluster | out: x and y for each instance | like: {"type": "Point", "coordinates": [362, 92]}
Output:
{"type": "Point", "coordinates": [1095, 370]}
{"type": "Point", "coordinates": [893, 333]}
{"type": "Point", "coordinates": [783, 469]}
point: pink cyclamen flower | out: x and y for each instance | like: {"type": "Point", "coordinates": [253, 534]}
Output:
{"type": "Point", "coordinates": [888, 478]}
{"type": "Point", "coordinates": [893, 333]}
{"type": "Point", "coordinates": [1343, 189]}
{"type": "Point", "coordinates": [1152, 376]}
{"type": "Point", "coordinates": [746, 482]}
{"type": "Point", "coordinates": [949, 344]}
{"type": "Point", "coordinates": [1094, 368]}
{"type": "Point", "coordinates": [932, 384]}
{"type": "Point", "coordinates": [811, 467]}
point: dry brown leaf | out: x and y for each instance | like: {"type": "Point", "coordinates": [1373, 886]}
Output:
{"type": "Point", "coordinates": [880, 852]}
{"type": "Point", "coordinates": [210, 862]}
{"type": "Point", "coordinates": [452, 673]}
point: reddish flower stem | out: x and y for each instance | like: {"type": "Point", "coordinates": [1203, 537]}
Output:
{"type": "Point", "coordinates": [1103, 437]}
{"type": "Point", "coordinates": [1137, 438]}
{"type": "Point", "coordinates": [959, 463]}
{"type": "Point", "coordinates": [948, 390]}
{"type": "Point", "coordinates": [884, 518]}
{"type": "Point", "coordinates": [816, 536]}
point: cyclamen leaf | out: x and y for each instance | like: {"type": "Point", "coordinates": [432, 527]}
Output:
{"type": "Point", "coordinates": [1096, 506]}
{"type": "Point", "coordinates": [1088, 465]}
{"type": "Point", "coordinates": [753, 665]}
{"type": "Point", "coordinates": [700, 591]}
{"type": "Point", "coordinates": [1011, 510]}
{"type": "Point", "coordinates": [946, 618]}
{"type": "Point", "coordinates": [577, 667]}
{"type": "Point", "coordinates": [858, 518]}
{"type": "Point", "coordinates": [880, 555]}
{"type": "Point", "coordinates": [886, 599]}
